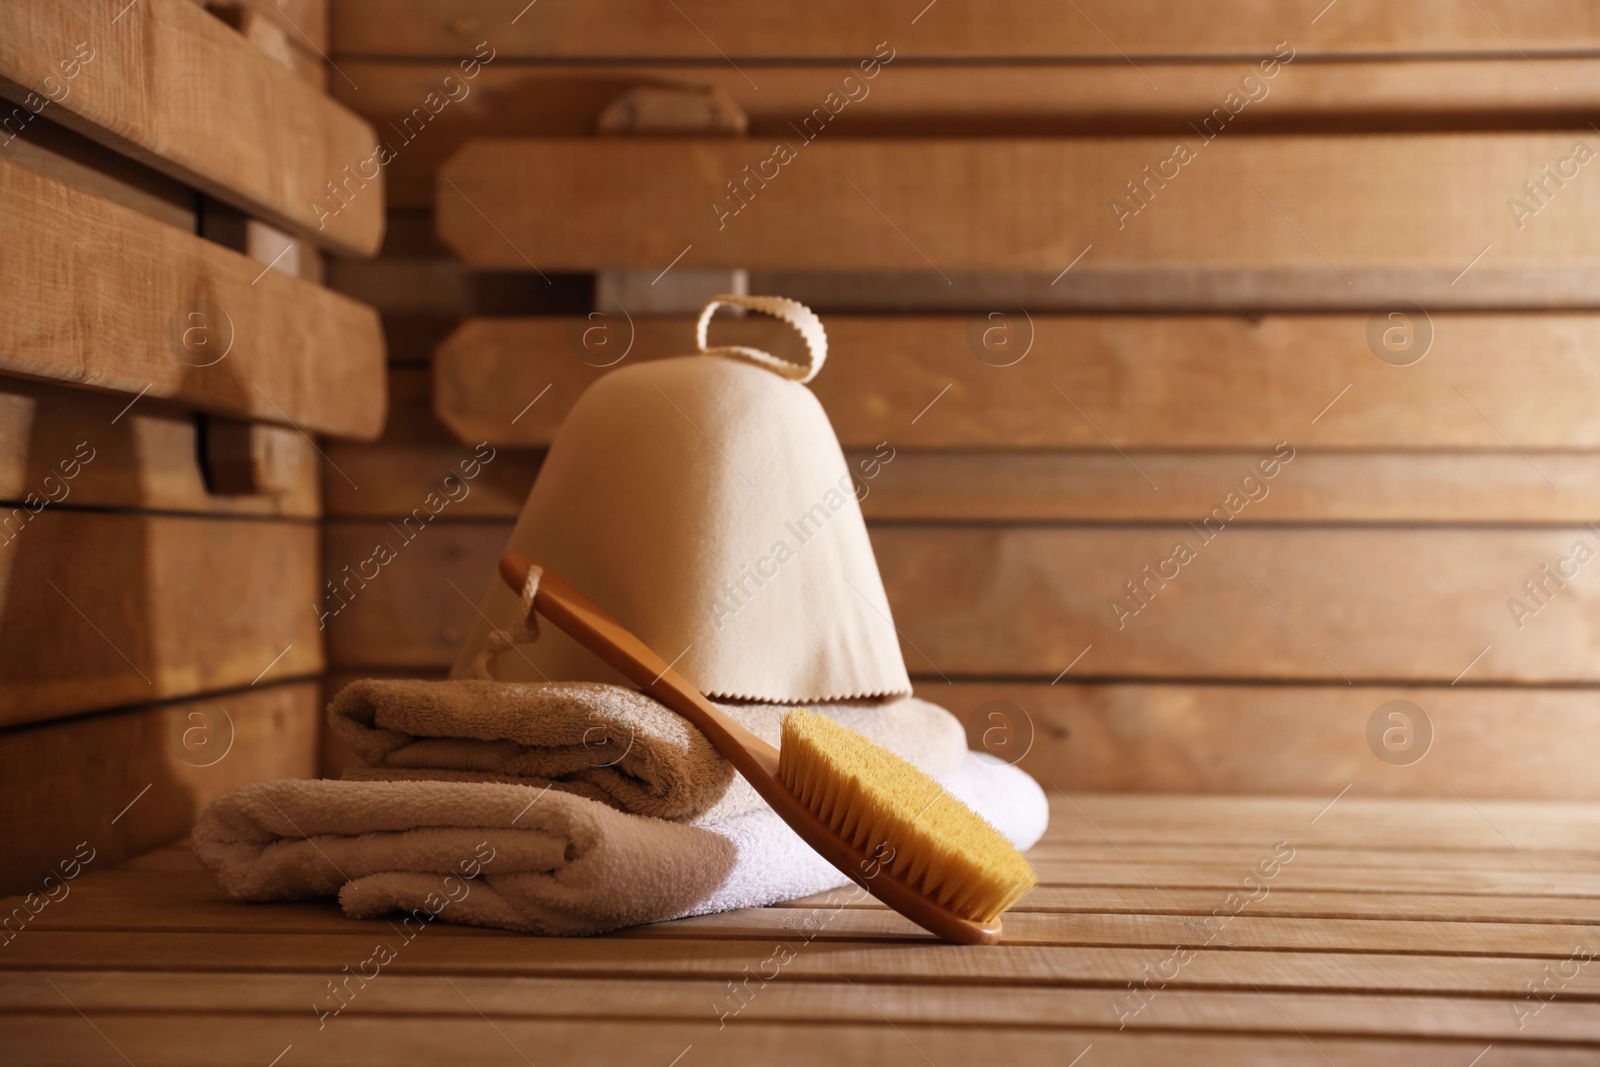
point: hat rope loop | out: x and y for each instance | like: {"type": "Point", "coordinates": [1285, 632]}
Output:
{"type": "Point", "coordinates": [796, 314]}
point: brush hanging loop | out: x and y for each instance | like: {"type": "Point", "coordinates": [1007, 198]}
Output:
{"type": "Point", "coordinates": [796, 314]}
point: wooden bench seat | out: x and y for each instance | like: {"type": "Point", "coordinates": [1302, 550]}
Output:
{"type": "Point", "coordinates": [1387, 932]}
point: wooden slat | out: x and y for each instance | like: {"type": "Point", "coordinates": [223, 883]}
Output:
{"type": "Point", "coordinates": [421, 606]}
{"type": "Point", "coordinates": [148, 458]}
{"type": "Point", "coordinates": [80, 163]}
{"type": "Point", "coordinates": [84, 783]}
{"type": "Point", "coordinates": [177, 89]}
{"type": "Point", "coordinates": [97, 289]}
{"type": "Point", "coordinates": [1026, 601]}
{"type": "Point", "coordinates": [108, 609]}
{"type": "Point", "coordinates": [1342, 487]}
{"type": "Point", "coordinates": [432, 285]}
{"type": "Point", "coordinates": [535, 998]}
{"type": "Point", "coordinates": [1402, 877]}
{"type": "Point", "coordinates": [839, 31]}
{"type": "Point", "coordinates": [246, 1040]}
{"type": "Point", "coordinates": [1251, 605]}
{"type": "Point", "coordinates": [190, 902]}
{"type": "Point", "coordinates": [1198, 289]}
{"type": "Point", "coordinates": [1293, 202]}
{"type": "Point", "coordinates": [414, 457]}
{"type": "Point", "coordinates": [1307, 740]}
{"type": "Point", "coordinates": [1351, 820]}
{"type": "Point", "coordinates": [1138, 382]}
{"type": "Point", "coordinates": [1009, 486]}
{"type": "Point", "coordinates": [267, 27]}
{"type": "Point", "coordinates": [922, 961]}
{"type": "Point", "coordinates": [980, 99]}
{"type": "Point", "coordinates": [304, 22]}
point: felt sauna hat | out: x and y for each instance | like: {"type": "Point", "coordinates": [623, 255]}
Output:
{"type": "Point", "coordinates": [704, 502]}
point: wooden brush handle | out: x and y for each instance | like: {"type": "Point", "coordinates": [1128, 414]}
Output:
{"type": "Point", "coordinates": [607, 638]}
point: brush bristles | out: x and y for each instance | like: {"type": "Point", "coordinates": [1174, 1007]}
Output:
{"type": "Point", "coordinates": [901, 819]}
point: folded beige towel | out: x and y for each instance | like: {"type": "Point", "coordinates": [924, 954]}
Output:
{"type": "Point", "coordinates": [568, 808]}
{"type": "Point", "coordinates": [599, 741]}
{"type": "Point", "coordinates": [536, 860]}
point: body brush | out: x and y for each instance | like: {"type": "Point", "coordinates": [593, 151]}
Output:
{"type": "Point", "coordinates": [882, 822]}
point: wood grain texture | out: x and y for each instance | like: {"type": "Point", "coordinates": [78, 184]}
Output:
{"type": "Point", "coordinates": [1275, 739]}
{"type": "Point", "coordinates": [293, 32]}
{"type": "Point", "coordinates": [1011, 487]}
{"type": "Point", "coordinates": [414, 457]}
{"type": "Point", "coordinates": [107, 298]}
{"type": "Point", "coordinates": [966, 29]}
{"type": "Point", "coordinates": [902, 962]}
{"type": "Point", "coordinates": [1197, 289]}
{"type": "Point", "coordinates": [101, 610]}
{"type": "Point", "coordinates": [974, 602]}
{"type": "Point", "coordinates": [149, 458]}
{"type": "Point", "coordinates": [80, 163]}
{"type": "Point", "coordinates": [1418, 605]}
{"type": "Point", "coordinates": [1345, 973]}
{"type": "Point", "coordinates": [550, 999]}
{"type": "Point", "coordinates": [530, 99]}
{"type": "Point", "coordinates": [177, 89]}
{"type": "Point", "coordinates": [85, 781]}
{"type": "Point", "coordinates": [244, 1039]}
{"type": "Point", "coordinates": [1100, 382]}
{"type": "Point", "coordinates": [1294, 202]}
{"type": "Point", "coordinates": [418, 609]}
{"type": "Point", "coordinates": [1336, 487]}
{"type": "Point", "coordinates": [997, 486]}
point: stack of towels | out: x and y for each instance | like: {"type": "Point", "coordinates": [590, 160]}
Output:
{"type": "Point", "coordinates": [558, 808]}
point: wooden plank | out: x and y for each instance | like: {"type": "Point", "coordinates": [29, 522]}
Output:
{"type": "Point", "coordinates": [815, 1002]}
{"type": "Point", "coordinates": [1198, 289]}
{"type": "Point", "coordinates": [84, 795]}
{"type": "Point", "coordinates": [167, 84]}
{"type": "Point", "coordinates": [292, 32]}
{"type": "Point", "coordinates": [307, 21]}
{"type": "Point", "coordinates": [264, 25]}
{"type": "Point", "coordinates": [922, 961]}
{"type": "Point", "coordinates": [1336, 487]}
{"type": "Point", "coordinates": [214, 1040]}
{"type": "Point", "coordinates": [1307, 740]}
{"type": "Point", "coordinates": [1096, 382]}
{"type": "Point", "coordinates": [414, 457]}
{"type": "Point", "coordinates": [1400, 878]}
{"type": "Point", "coordinates": [190, 902]}
{"type": "Point", "coordinates": [80, 163]}
{"type": "Point", "coordinates": [110, 299]}
{"type": "Point", "coordinates": [1030, 600]}
{"type": "Point", "coordinates": [531, 99]}
{"type": "Point", "coordinates": [419, 608]}
{"type": "Point", "coordinates": [838, 31]}
{"type": "Point", "coordinates": [1293, 202]}
{"type": "Point", "coordinates": [108, 609]}
{"type": "Point", "coordinates": [975, 602]}
{"type": "Point", "coordinates": [1309, 904]}
{"type": "Point", "coordinates": [1348, 820]}
{"type": "Point", "coordinates": [1013, 486]}
{"type": "Point", "coordinates": [147, 458]}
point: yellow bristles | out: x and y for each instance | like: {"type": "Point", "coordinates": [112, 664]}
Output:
{"type": "Point", "coordinates": [901, 819]}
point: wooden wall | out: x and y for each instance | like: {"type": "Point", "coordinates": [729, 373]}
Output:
{"type": "Point", "coordinates": [168, 357]}
{"type": "Point", "coordinates": [1341, 347]}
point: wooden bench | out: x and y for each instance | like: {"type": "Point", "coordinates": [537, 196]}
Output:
{"type": "Point", "coordinates": [1198, 930]}
{"type": "Point", "coordinates": [168, 358]}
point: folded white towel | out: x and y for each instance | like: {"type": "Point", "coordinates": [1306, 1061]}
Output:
{"type": "Point", "coordinates": [541, 861]}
